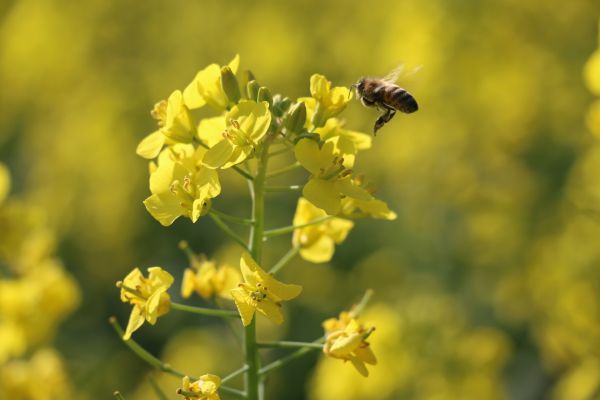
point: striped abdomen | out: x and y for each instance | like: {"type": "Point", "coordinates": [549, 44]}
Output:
{"type": "Point", "coordinates": [398, 98]}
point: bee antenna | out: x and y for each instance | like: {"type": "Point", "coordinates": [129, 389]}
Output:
{"type": "Point", "coordinates": [353, 86]}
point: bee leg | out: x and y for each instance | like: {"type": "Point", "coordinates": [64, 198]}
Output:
{"type": "Point", "coordinates": [383, 119]}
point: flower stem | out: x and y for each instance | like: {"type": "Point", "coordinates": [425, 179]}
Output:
{"type": "Point", "coordinates": [144, 354]}
{"type": "Point", "coordinates": [118, 395]}
{"type": "Point", "coordinates": [283, 170]}
{"type": "Point", "coordinates": [257, 192]}
{"type": "Point", "coordinates": [289, 256]}
{"type": "Point", "coordinates": [228, 231]}
{"type": "Point", "coordinates": [227, 217]}
{"type": "Point", "coordinates": [289, 358]}
{"type": "Point", "coordinates": [235, 373]}
{"type": "Point", "coordinates": [285, 344]}
{"type": "Point", "coordinates": [291, 188]}
{"type": "Point", "coordinates": [291, 228]}
{"type": "Point", "coordinates": [204, 311]}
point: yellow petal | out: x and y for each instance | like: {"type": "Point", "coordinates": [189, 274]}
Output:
{"type": "Point", "coordinates": [365, 354]}
{"type": "Point", "coordinates": [360, 366]}
{"type": "Point", "coordinates": [323, 194]}
{"type": "Point", "coordinates": [187, 283]}
{"type": "Point", "coordinates": [164, 208]}
{"type": "Point", "coordinates": [210, 130]}
{"type": "Point", "coordinates": [281, 290]}
{"type": "Point", "coordinates": [345, 345]}
{"type": "Point", "coordinates": [270, 310]}
{"type": "Point", "coordinates": [320, 251]}
{"type": "Point", "coordinates": [160, 277]}
{"type": "Point", "coordinates": [4, 182]}
{"type": "Point", "coordinates": [151, 145]}
{"type": "Point", "coordinates": [347, 187]}
{"type": "Point", "coordinates": [243, 304]}
{"type": "Point", "coordinates": [308, 155]}
{"type": "Point", "coordinates": [135, 321]}
{"type": "Point", "coordinates": [218, 155]}
{"type": "Point", "coordinates": [592, 73]}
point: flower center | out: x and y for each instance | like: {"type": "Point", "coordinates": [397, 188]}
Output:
{"type": "Point", "coordinates": [334, 171]}
{"type": "Point", "coordinates": [159, 112]}
{"type": "Point", "coordinates": [259, 293]}
{"type": "Point", "coordinates": [236, 135]}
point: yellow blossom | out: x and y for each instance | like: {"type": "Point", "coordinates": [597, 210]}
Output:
{"type": "Point", "coordinates": [245, 125]}
{"type": "Point", "coordinates": [205, 388]}
{"type": "Point", "coordinates": [261, 292]}
{"type": "Point", "coordinates": [371, 207]}
{"type": "Point", "coordinates": [346, 142]}
{"type": "Point", "coordinates": [326, 102]}
{"type": "Point", "coordinates": [317, 242]}
{"type": "Point", "coordinates": [175, 126]}
{"type": "Point", "coordinates": [206, 87]}
{"type": "Point", "coordinates": [349, 344]}
{"type": "Point", "coordinates": [330, 180]}
{"type": "Point", "coordinates": [181, 185]}
{"type": "Point", "coordinates": [148, 296]}
{"type": "Point", "coordinates": [206, 279]}
{"type": "Point", "coordinates": [210, 130]}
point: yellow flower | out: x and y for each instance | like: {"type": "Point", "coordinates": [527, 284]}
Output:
{"type": "Point", "coordinates": [4, 183]}
{"type": "Point", "coordinates": [325, 101]}
{"type": "Point", "coordinates": [205, 388]}
{"type": "Point", "coordinates": [317, 242]}
{"type": "Point", "coordinates": [246, 124]}
{"type": "Point", "coordinates": [346, 340]}
{"type": "Point", "coordinates": [361, 208]}
{"type": "Point", "coordinates": [207, 280]}
{"type": "Point", "coordinates": [330, 180]}
{"type": "Point", "coordinates": [206, 87]}
{"type": "Point", "coordinates": [181, 185]}
{"type": "Point", "coordinates": [261, 292]}
{"type": "Point", "coordinates": [346, 142]}
{"type": "Point", "coordinates": [175, 126]}
{"type": "Point", "coordinates": [210, 130]}
{"type": "Point", "coordinates": [148, 296]}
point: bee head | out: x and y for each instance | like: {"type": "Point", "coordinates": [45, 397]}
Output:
{"type": "Point", "coordinates": [358, 86]}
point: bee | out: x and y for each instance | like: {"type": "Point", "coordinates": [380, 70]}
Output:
{"type": "Point", "coordinates": [385, 95]}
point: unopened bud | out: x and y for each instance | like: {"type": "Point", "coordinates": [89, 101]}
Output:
{"type": "Point", "coordinates": [264, 94]}
{"type": "Point", "coordinates": [245, 77]}
{"type": "Point", "coordinates": [296, 118]}
{"type": "Point", "coordinates": [280, 105]}
{"type": "Point", "coordinates": [252, 90]}
{"type": "Point", "coordinates": [230, 85]}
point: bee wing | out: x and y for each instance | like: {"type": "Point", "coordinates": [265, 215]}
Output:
{"type": "Point", "coordinates": [398, 72]}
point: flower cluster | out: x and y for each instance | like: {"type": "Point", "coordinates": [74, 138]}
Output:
{"type": "Point", "coordinates": [187, 156]}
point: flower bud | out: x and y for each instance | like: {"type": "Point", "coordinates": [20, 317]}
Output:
{"type": "Point", "coordinates": [264, 94]}
{"type": "Point", "coordinates": [296, 118]}
{"type": "Point", "coordinates": [252, 90]}
{"type": "Point", "coordinates": [230, 84]}
{"type": "Point", "coordinates": [280, 105]}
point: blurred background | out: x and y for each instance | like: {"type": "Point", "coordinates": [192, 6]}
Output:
{"type": "Point", "coordinates": [487, 285]}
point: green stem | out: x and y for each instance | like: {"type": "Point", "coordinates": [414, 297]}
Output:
{"type": "Point", "coordinates": [358, 308]}
{"type": "Point", "coordinates": [204, 311]}
{"type": "Point", "coordinates": [283, 170]}
{"type": "Point", "coordinates": [238, 393]}
{"type": "Point", "coordinates": [287, 345]}
{"type": "Point", "coordinates": [118, 395]}
{"type": "Point", "coordinates": [228, 231]}
{"type": "Point", "coordinates": [144, 354]}
{"type": "Point", "coordinates": [289, 358]}
{"type": "Point", "coordinates": [235, 373]}
{"type": "Point", "coordinates": [289, 256]}
{"type": "Point", "coordinates": [257, 192]}
{"type": "Point", "coordinates": [291, 228]}
{"type": "Point", "coordinates": [291, 188]}
{"type": "Point", "coordinates": [227, 217]}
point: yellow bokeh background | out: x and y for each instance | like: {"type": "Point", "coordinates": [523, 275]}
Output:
{"type": "Point", "coordinates": [487, 285]}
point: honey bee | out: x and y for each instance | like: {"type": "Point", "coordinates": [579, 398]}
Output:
{"type": "Point", "coordinates": [385, 95]}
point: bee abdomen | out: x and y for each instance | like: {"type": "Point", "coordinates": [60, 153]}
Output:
{"type": "Point", "coordinates": [401, 100]}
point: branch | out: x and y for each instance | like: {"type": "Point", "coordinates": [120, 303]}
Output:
{"type": "Point", "coordinates": [291, 228]}
{"type": "Point", "coordinates": [287, 345]}
{"type": "Point", "coordinates": [204, 311]}
{"type": "Point", "coordinates": [228, 231]}
{"type": "Point", "coordinates": [289, 256]}
{"type": "Point", "coordinates": [291, 188]}
{"type": "Point", "coordinates": [237, 220]}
